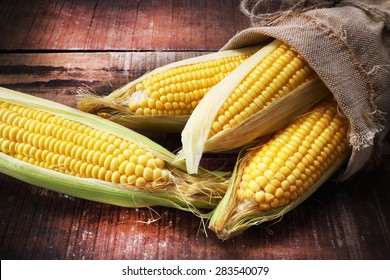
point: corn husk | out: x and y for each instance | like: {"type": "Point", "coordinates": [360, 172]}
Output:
{"type": "Point", "coordinates": [231, 217]}
{"type": "Point", "coordinates": [195, 135]}
{"type": "Point", "coordinates": [189, 193]}
{"type": "Point", "coordinates": [115, 105]}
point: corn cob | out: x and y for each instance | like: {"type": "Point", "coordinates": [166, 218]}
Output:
{"type": "Point", "coordinates": [164, 98]}
{"type": "Point", "coordinates": [276, 176]}
{"type": "Point", "coordinates": [259, 97]}
{"type": "Point", "coordinates": [56, 147]}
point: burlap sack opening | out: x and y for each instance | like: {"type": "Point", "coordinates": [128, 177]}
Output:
{"type": "Point", "coordinates": [348, 44]}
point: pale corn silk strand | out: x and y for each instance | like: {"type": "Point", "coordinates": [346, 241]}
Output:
{"type": "Point", "coordinates": [348, 44]}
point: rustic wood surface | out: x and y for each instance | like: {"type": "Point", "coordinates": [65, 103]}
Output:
{"type": "Point", "coordinates": [53, 48]}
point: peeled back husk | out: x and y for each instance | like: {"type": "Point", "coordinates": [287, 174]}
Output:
{"type": "Point", "coordinates": [181, 191]}
{"type": "Point", "coordinates": [115, 106]}
{"type": "Point", "coordinates": [226, 221]}
{"type": "Point", "coordinates": [196, 134]}
{"type": "Point", "coordinates": [277, 174]}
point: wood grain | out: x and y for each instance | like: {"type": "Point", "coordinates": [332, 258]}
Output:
{"type": "Point", "coordinates": [118, 25]}
{"type": "Point", "coordinates": [59, 76]}
{"type": "Point", "coordinates": [335, 223]}
{"type": "Point", "coordinates": [341, 221]}
{"type": "Point", "coordinates": [51, 49]}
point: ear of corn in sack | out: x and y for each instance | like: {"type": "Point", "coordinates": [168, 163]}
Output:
{"type": "Point", "coordinates": [164, 98]}
{"type": "Point", "coordinates": [63, 149]}
{"type": "Point", "coordinates": [259, 97]}
{"type": "Point", "coordinates": [276, 176]}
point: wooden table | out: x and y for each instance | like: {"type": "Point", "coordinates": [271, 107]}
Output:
{"type": "Point", "coordinates": [53, 48]}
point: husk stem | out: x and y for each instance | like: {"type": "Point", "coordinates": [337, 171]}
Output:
{"type": "Point", "coordinates": [185, 192]}
{"type": "Point", "coordinates": [232, 217]}
{"type": "Point", "coordinates": [114, 106]}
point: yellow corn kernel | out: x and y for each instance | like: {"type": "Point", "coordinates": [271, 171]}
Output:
{"type": "Point", "coordinates": [276, 75]}
{"type": "Point", "coordinates": [298, 167]}
{"type": "Point", "coordinates": [70, 147]}
{"type": "Point", "coordinates": [187, 84]}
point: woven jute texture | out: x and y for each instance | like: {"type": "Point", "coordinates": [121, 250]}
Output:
{"type": "Point", "coordinates": [348, 44]}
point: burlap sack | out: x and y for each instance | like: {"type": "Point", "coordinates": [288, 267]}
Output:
{"type": "Point", "coordinates": [348, 45]}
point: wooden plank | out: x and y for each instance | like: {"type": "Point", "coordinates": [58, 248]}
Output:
{"type": "Point", "coordinates": [336, 223]}
{"type": "Point", "coordinates": [59, 76]}
{"type": "Point", "coordinates": [340, 221]}
{"type": "Point", "coordinates": [118, 25]}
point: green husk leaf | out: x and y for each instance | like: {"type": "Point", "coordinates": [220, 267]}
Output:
{"type": "Point", "coordinates": [115, 105]}
{"type": "Point", "coordinates": [230, 217]}
{"type": "Point", "coordinates": [186, 193]}
{"type": "Point", "coordinates": [90, 189]}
